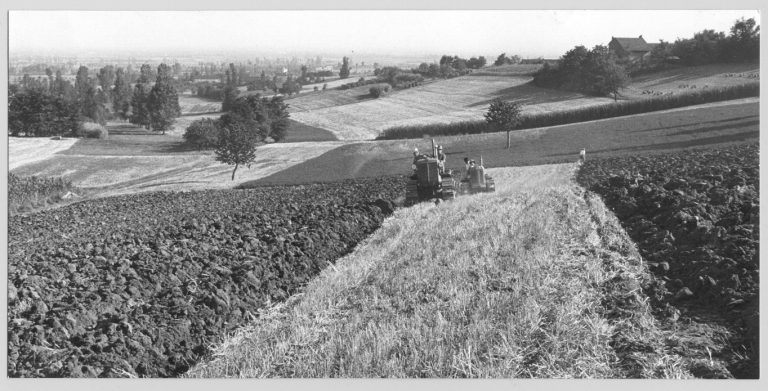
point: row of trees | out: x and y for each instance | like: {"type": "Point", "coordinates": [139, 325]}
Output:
{"type": "Point", "coordinates": [155, 107]}
{"type": "Point", "coordinates": [55, 106]}
{"type": "Point", "coordinates": [595, 71]}
{"type": "Point", "coordinates": [504, 60]}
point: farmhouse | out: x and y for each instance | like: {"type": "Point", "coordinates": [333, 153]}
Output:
{"type": "Point", "coordinates": [632, 49]}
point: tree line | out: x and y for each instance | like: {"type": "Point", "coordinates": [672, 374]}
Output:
{"type": "Point", "coordinates": [55, 106]}
{"type": "Point", "coordinates": [742, 44]}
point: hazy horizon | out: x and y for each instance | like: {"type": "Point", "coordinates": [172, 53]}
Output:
{"type": "Point", "coordinates": [545, 33]}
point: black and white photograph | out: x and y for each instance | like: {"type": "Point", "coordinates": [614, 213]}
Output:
{"type": "Point", "coordinates": [382, 193]}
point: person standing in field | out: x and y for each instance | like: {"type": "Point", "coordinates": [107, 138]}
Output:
{"type": "Point", "coordinates": [440, 159]}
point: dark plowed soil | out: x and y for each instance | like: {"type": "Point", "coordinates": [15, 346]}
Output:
{"type": "Point", "coordinates": [695, 217]}
{"type": "Point", "coordinates": [141, 285]}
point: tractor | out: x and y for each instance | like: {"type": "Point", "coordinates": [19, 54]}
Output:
{"type": "Point", "coordinates": [429, 180]}
{"type": "Point", "coordinates": [477, 181]}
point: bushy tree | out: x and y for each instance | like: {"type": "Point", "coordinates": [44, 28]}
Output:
{"type": "Point", "coordinates": [503, 115]}
{"type": "Point", "coordinates": [236, 145]}
{"type": "Point", "coordinates": [744, 41]}
{"type": "Point", "coordinates": [35, 112]}
{"type": "Point", "coordinates": [202, 134]}
{"type": "Point", "coordinates": [121, 95]}
{"type": "Point", "coordinates": [140, 113]}
{"type": "Point", "coordinates": [344, 72]}
{"type": "Point", "coordinates": [163, 101]}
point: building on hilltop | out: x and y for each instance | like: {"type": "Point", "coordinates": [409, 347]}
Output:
{"type": "Point", "coordinates": [631, 49]}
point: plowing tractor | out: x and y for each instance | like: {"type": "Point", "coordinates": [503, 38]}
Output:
{"type": "Point", "coordinates": [476, 180]}
{"type": "Point", "coordinates": [430, 179]}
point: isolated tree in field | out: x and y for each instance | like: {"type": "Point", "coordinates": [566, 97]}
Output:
{"type": "Point", "coordinates": [163, 101]}
{"type": "Point", "coordinates": [121, 95]}
{"type": "Point", "coordinates": [237, 146]}
{"type": "Point", "coordinates": [344, 72]}
{"type": "Point", "coordinates": [504, 116]}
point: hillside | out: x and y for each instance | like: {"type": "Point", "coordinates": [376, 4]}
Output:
{"type": "Point", "coordinates": [467, 98]}
{"type": "Point", "coordinates": [536, 281]}
{"type": "Point", "coordinates": [639, 134]}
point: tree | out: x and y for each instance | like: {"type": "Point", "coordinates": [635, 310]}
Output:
{"type": "Point", "coordinates": [744, 41]}
{"type": "Point", "coordinates": [163, 101]}
{"type": "Point", "coordinates": [237, 145]}
{"type": "Point", "coordinates": [140, 100]}
{"type": "Point", "coordinates": [504, 116]}
{"type": "Point", "coordinates": [344, 72]}
{"type": "Point", "coordinates": [121, 95]}
{"type": "Point", "coordinates": [106, 77]}
{"type": "Point", "coordinates": [501, 60]}
{"type": "Point", "coordinates": [605, 74]}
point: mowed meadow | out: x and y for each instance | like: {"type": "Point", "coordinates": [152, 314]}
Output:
{"type": "Point", "coordinates": [353, 115]}
{"type": "Point", "coordinates": [551, 290]}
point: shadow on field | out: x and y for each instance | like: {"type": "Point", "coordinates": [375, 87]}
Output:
{"type": "Point", "coordinates": [703, 122]}
{"type": "Point", "coordinates": [528, 94]}
{"type": "Point", "coordinates": [724, 139]}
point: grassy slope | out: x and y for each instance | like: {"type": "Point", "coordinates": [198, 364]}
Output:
{"type": "Point", "coordinates": [536, 280]}
{"type": "Point", "coordinates": [646, 133]}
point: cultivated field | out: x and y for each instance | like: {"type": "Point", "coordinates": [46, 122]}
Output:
{"type": "Point", "coordinates": [467, 98]}
{"type": "Point", "coordinates": [692, 78]}
{"type": "Point", "coordinates": [671, 130]}
{"type": "Point", "coordinates": [536, 281]}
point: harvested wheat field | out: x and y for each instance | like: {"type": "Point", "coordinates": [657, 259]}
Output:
{"type": "Point", "coordinates": [28, 150]}
{"type": "Point", "coordinates": [127, 173]}
{"type": "Point", "coordinates": [537, 280]}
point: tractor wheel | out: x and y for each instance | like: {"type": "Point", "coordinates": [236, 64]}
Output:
{"type": "Point", "coordinates": [411, 192]}
{"type": "Point", "coordinates": [449, 190]}
{"type": "Point", "coordinates": [490, 186]}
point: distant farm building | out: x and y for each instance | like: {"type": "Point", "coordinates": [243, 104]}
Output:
{"type": "Point", "coordinates": [631, 49]}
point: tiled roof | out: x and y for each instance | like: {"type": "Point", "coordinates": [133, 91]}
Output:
{"type": "Point", "coordinates": [633, 44]}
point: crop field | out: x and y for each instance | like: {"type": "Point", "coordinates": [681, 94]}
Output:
{"type": "Point", "coordinates": [329, 98]}
{"type": "Point", "coordinates": [130, 164]}
{"type": "Point", "coordinates": [508, 70]}
{"type": "Point", "coordinates": [142, 285]}
{"type": "Point", "coordinates": [695, 216]}
{"type": "Point", "coordinates": [193, 105]}
{"type": "Point", "coordinates": [467, 98]}
{"type": "Point", "coordinates": [639, 134]}
{"type": "Point", "coordinates": [536, 280]}
{"type": "Point", "coordinates": [675, 81]}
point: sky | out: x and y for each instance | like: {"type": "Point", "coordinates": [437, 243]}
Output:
{"type": "Point", "coordinates": [466, 33]}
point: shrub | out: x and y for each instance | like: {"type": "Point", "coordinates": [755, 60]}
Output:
{"type": "Point", "coordinates": [92, 130]}
{"type": "Point", "coordinates": [379, 89]}
{"type": "Point", "coordinates": [27, 193]}
{"type": "Point", "coordinates": [202, 134]}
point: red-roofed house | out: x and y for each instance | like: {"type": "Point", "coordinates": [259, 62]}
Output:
{"type": "Point", "coordinates": [632, 49]}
